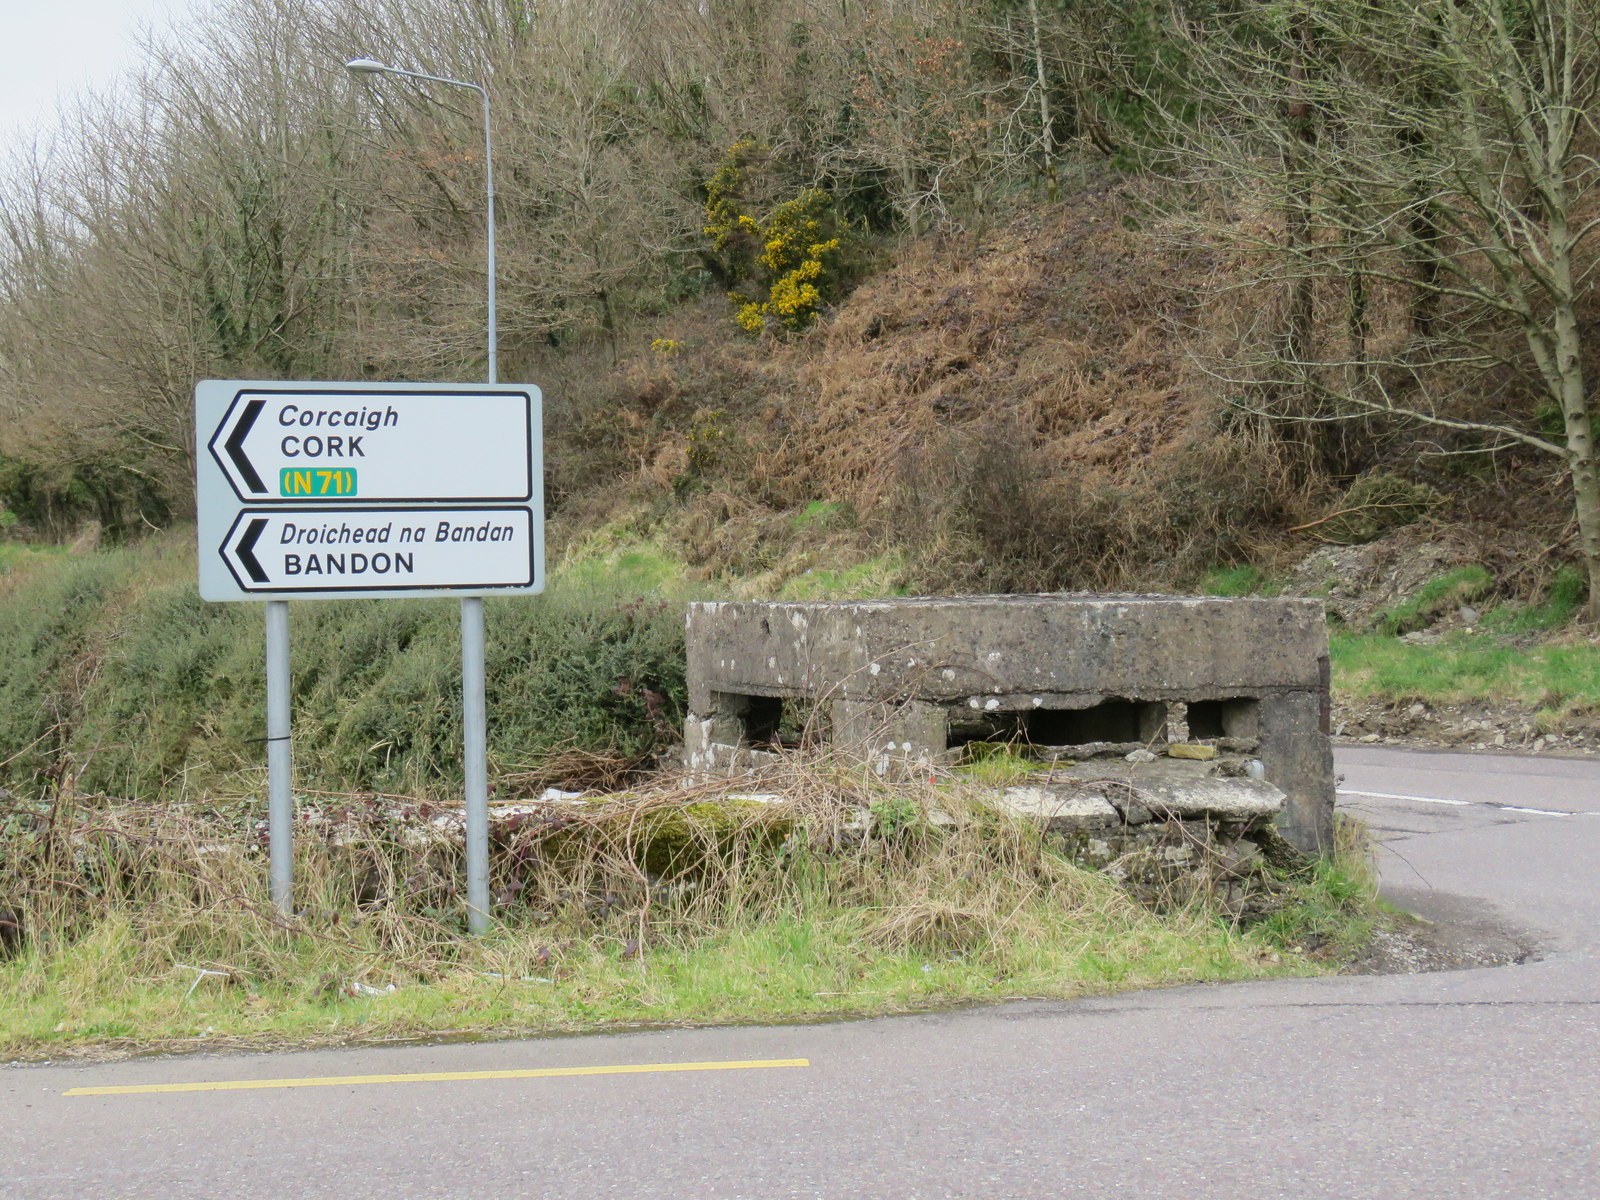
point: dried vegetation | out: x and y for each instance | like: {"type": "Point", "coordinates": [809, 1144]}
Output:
{"type": "Point", "coordinates": [1015, 410]}
{"type": "Point", "coordinates": [830, 891]}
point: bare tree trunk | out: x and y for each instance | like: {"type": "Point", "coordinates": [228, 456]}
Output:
{"type": "Point", "coordinates": [1575, 410]}
{"type": "Point", "coordinates": [1298, 149]}
{"type": "Point", "coordinates": [1047, 130]}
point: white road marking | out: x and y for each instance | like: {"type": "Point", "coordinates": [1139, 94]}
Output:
{"type": "Point", "coordinates": [1538, 812]}
{"type": "Point", "coordinates": [1394, 796]}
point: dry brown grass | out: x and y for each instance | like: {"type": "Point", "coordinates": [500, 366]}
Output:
{"type": "Point", "coordinates": [379, 875]}
{"type": "Point", "coordinates": [1020, 411]}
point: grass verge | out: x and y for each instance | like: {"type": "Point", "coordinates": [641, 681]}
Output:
{"type": "Point", "coordinates": [1466, 668]}
{"type": "Point", "coordinates": [147, 927]}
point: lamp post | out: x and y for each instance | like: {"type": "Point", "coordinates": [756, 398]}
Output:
{"type": "Point", "coordinates": [369, 66]}
{"type": "Point", "coordinates": [474, 718]}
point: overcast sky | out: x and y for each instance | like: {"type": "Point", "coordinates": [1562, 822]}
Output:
{"type": "Point", "coordinates": [57, 47]}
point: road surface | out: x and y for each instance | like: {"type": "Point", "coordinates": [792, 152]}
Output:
{"type": "Point", "coordinates": [1472, 1083]}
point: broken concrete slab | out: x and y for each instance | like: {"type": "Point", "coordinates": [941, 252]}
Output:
{"type": "Point", "coordinates": [1219, 799]}
{"type": "Point", "coordinates": [1060, 810]}
{"type": "Point", "coordinates": [1080, 805]}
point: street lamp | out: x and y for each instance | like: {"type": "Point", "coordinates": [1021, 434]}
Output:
{"type": "Point", "coordinates": [474, 716]}
{"type": "Point", "coordinates": [371, 66]}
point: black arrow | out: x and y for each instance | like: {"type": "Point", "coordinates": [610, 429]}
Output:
{"type": "Point", "coordinates": [245, 549]}
{"type": "Point", "coordinates": [235, 448]}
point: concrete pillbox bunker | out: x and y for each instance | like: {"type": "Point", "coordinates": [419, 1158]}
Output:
{"type": "Point", "coordinates": [1066, 676]}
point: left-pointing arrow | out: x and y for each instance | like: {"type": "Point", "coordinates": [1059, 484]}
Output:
{"type": "Point", "coordinates": [245, 549]}
{"type": "Point", "coordinates": [235, 445]}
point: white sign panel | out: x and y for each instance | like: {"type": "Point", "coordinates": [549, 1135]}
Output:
{"type": "Point", "coordinates": [355, 445]}
{"type": "Point", "coordinates": [311, 489]}
{"type": "Point", "coordinates": [380, 549]}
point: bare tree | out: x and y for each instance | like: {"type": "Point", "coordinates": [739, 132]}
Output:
{"type": "Point", "coordinates": [1437, 156]}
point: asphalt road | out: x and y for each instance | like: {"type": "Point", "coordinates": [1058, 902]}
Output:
{"type": "Point", "coordinates": [1471, 1083]}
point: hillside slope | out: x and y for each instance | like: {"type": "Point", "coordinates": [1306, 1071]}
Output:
{"type": "Point", "coordinates": [1027, 407]}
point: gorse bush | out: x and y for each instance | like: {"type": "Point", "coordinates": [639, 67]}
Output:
{"type": "Point", "coordinates": [115, 677]}
{"type": "Point", "coordinates": [801, 264]}
{"type": "Point", "coordinates": [796, 256]}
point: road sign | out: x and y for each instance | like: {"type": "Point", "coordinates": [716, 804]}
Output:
{"type": "Point", "coordinates": [380, 549]}
{"type": "Point", "coordinates": [320, 490]}
{"type": "Point", "coordinates": [353, 444]}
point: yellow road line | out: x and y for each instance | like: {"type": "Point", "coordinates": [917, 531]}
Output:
{"type": "Point", "coordinates": [245, 1085]}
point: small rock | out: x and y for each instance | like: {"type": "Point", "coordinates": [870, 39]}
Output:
{"type": "Point", "coordinates": [1191, 750]}
{"type": "Point", "coordinates": [1468, 614]}
{"type": "Point", "coordinates": [1368, 737]}
{"type": "Point", "coordinates": [1131, 811]}
{"type": "Point", "coordinates": [1141, 755]}
{"type": "Point", "coordinates": [1538, 745]}
{"type": "Point", "coordinates": [555, 793]}
{"type": "Point", "coordinates": [1236, 858]}
{"type": "Point", "coordinates": [1417, 709]}
{"type": "Point", "coordinates": [1500, 739]}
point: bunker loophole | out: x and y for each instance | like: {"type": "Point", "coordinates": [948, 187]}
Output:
{"type": "Point", "coordinates": [1224, 718]}
{"type": "Point", "coordinates": [1115, 721]}
{"type": "Point", "coordinates": [767, 722]}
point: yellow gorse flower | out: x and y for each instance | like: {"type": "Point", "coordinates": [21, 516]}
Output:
{"type": "Point", "coordinates": [801, 262]}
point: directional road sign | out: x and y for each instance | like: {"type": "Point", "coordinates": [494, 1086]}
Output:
{"type": "Point", "coordinates": [312, 489]}
{"type": "Point", "coordinates": [380, 549]}
{"type": "Point", "coordinates": [354, 444]}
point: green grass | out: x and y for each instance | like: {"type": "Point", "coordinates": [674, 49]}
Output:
{"type": "Point", "coordinates": [988, 764]}
{"type": "Point", "coordinates": [1563, 599]}
{"type": "Point", "coordinates": [16, 557]}
{"type": "Point", "coordinates": [880, 576]}
{"type": "Point", "coordinates": [1244, 580]}
{"type": "Point", "coordinates": [1464, 667]}
{"type": "Point", "coordinates": [1434, 597]}
{"type": "Point", "coordinates": [824, 515]}
{"type": "Point", "coordinates": [1334, 910]}
{"type": "Point", "coordinates": [640, 567]}
{"type": "Point", "coordinates": [809, 965]}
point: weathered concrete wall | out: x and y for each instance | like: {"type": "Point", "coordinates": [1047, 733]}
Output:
{"type": "Point", "coordinates": [913, 678]}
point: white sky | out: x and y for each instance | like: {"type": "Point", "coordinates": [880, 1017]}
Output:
{"type": "Point", "coordinates": [53, 48]}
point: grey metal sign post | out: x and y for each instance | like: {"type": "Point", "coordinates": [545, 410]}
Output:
{"type": "Point", "coordinates": [331, 490]}
{"type": "Point", "coordinates": [280, 767]}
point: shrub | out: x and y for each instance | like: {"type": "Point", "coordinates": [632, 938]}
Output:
{"type": "Point", "coordinates": [796, 256]}
{"type": "Point", "coordinates": [1374, 505]}
{"type": "Point", "coordinates": [111, 681]}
